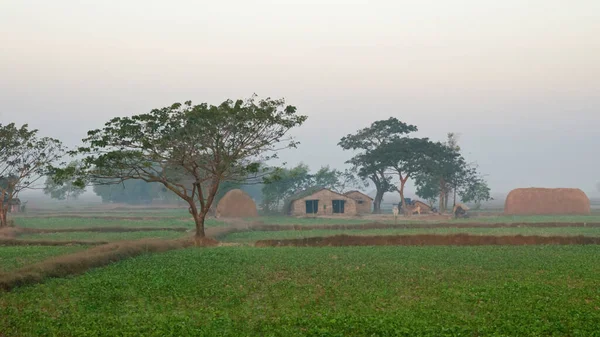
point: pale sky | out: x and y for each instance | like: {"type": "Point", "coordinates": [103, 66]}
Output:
{"type": "Point", "coordinates": [519, 80]}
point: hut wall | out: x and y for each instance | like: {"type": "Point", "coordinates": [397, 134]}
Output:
{"type": "Point", "coordinates": [364, 204]}
{"type": "Point", "coordinates": [325, 198]}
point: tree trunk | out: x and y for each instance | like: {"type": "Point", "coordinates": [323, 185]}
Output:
{"type": "Point", "coordinates": [3, 216]}
{"type": "Point", "coordinates": [401, 191]}
{"type": "Point", "coordinates": [199, 219]}
{"type": "Point", "coordinates": [454, 202]}
{"type": "Point", "coordinates": [442, 194]}
{"type": "Point", "coordinates": [377, 201]}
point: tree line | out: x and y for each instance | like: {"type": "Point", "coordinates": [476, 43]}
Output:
{"type": "Point", "coordinates": [195, 153]}
{"type": "Point", "coordinates": [388, 156]}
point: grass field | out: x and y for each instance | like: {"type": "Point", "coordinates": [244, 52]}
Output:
{"type": "Point", "coordinates": [253, 236]}
{"type": "Point", "coordinates": [286, 220]}
{"type": "Point", "coordinates": [354, 291]}
{"type": "Point", "coordinates": [13, 257]}
{"type": "Point", "coordinates": [104, 236]}
{"type": "Point", "coordinates": [346, 291]}
{"type": "Point", "coordinates": [59, 222]}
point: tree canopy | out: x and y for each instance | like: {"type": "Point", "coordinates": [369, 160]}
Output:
{"type": "Point", "coordinates": [62, 191]}
{"type": "Point", "coordinates": [374, 145]}
{"type": "Point", "coordinates": [24, 159]}
{"type": "Point", "coordinates": [205, 144]}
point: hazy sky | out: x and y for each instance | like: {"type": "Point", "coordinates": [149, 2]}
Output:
{"type": "Point", "coordinates": [519, 80]}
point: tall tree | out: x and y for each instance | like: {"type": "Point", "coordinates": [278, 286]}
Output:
{"type": "Point", "coordinates": [445, 170]}
{"type": "Point", "coordinates": [24, 159]}
{"type": "Point", "coordinates": [441, 169]}
{"type": "Point", "coordinates": [370, 162]}
{"type": "Point", "coordinates": [207, 144]}
{"type": "Point", "coordinates": [405, 158]}
{"type": "Point", "coordinates": [62, 191]}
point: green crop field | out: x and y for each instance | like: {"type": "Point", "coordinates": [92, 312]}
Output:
{"type": "Point", "coordinates": [14, 257]}
{"type": "Point", "coordinates": [350, 291]}
{"type": "Point", "coordinates": [253, 236]}
{"type": "Point", "coordinates": [104, 236]}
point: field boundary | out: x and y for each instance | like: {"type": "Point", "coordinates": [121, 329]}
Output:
{"type": "Point", "coordinates": [21, 242]}
{"type": "Point", "coordinates": [107, 229]}
{"type": "Point", "coordinates": [378, 225]}
{"type": "Point", "coordinates": [429, 240]}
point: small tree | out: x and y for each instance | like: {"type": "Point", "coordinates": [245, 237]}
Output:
{"type": "Point", "coordinates": [62, 191]}
{"type": "Point", "coordinates": [190, 149]}
{"type": "Point", "coordinates": [24, 159]}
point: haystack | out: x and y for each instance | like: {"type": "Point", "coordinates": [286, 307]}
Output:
{"type": "Point", "coordinates": [540, 201]}
{"type": "Point", "coordinates": [236, 204]}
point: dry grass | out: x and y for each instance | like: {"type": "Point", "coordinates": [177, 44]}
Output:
{"type": "Point", "coordinates": [532, 201]}
{"type": "Point", "coordinates": [430, 240]}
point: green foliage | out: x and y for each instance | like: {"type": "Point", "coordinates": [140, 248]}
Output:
{"type": "Point", "coordinates": [80, 222]}
{"type": "Point", "coordinates": [105, 236]}
{"type": "Point", "coordinates": [63, 190]}
{"type": "Point", "coordinates": [189, 149]}
{"type": "Point", "coordinates": [134, 192]}
{"type": "Point", "coordinates": [24, 159]}
{"type": "Point", "coordinates": [444, 170]}
{"type": "Point", "coordinates": [352, 291]}
{"type": "Point", "coordinates": [14, 257]}
{"type": "Point", "coordinates": [371, 162]}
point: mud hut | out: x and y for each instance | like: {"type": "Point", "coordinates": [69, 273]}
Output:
{"type": "Point", "coordinates": [321, 201]}
{"type": "Point", "coordinates": [364, 203]}
{"type": "Point", "coordinates": [544, 201]}
{"type": "Point", "coordinates": [424, 207]}
{"type": "Point", "coordinates": [236, 204]}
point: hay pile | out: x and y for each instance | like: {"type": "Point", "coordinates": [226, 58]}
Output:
{"type": "Point", "coordinates": [540, 201]}
{"type": "Point", "coordinates": [236, 204]}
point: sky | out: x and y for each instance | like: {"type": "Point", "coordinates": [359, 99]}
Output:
{"type": "Point", "coordinates": [518, 80]}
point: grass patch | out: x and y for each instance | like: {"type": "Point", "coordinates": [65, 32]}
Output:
{"type": "Point", "coordinates": [104, 236]}
{"type": "Point", "coordinates": [252, 236]}
{"type": "Point", "coordinates": [356, 291]}
{"type": "Point", "coordinates": [288, 220]}
{"type": "Point", "coordinates": [531, 218]}
{"type": "Point", "coordinates": [14, 257]}
{"type": "Point", "coordinates": [58, 222]}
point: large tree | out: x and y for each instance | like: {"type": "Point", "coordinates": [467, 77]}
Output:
{"type": "Point", "coordinates": [24, 159]}
{"type": "Point", "coordinates": [370, 162]}
{"type": "Point", "coordinates": [445, 170]}
{"type": "Point", "coordinates": [190, 149]}
{"type": "Point", "coordinates": [406, 157]}
{"type": "Point", "coordinates": [440, 172]}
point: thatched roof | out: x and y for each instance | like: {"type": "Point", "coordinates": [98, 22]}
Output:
{"type": "Point", "coordinates": [357, 191]}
